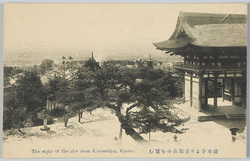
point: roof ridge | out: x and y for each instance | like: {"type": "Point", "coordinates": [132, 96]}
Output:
{"type": "Point", "coordinates": [208, 14]}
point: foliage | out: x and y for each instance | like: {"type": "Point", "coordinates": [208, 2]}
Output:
{"type": "Point", "coordinates": [23, 99]}
{"type": "Point", "coordinates": [46, 65]}
{"type": "Point", "coordinates": [53, 87]}
{"type": "Point", "coordinates": [148, 120]}
{"type": "Point", "coordinates": [13, 114]}
{"type": "Point", "coordinates": [147, 91]}
{"type": "Point", "coordinates": [144, 94]}
{"type": "Point", "coordinates": [84, 94]}
{"type": "Point", "coordinates": [58, 90]}
{"type": "Point", "coordinates": [8, 71]}
{"type": "Point", "coordinates": [92, 64]}
{"type": "Point", "coordinates": [30, 91]}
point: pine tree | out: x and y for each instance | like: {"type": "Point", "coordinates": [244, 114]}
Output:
{"type": "Point", "coordinates": [23, 99]}
{"type": "Point", "coordinates": [147, 91]}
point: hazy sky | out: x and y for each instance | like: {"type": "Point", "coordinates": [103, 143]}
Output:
{"type": "Point", "coordinates": [105, 29]}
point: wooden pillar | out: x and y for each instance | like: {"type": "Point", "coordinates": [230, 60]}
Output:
{"type": "Point", "coordinates": [192, 59]}
{"type": "Point", "coordinates": [232, 91]}
{"type": "Point", "coordinates": [223, 89]}
{"type": "Point", "coordinates": [215, 92]}
{"type": "Point", "coordinates": [191, 89]}
{"type": "Point", "coordinates": [185, 59]}
{"type": "Point", "coordinates": [200, 92]}
{"type": "Point", "coordinates": [200, 60]}
{"type": "Point", "coordinates": [183, 86]}
{"type": "Point", "coordinates": [215, 89]}
{"type": "Point", "coordinates": [206, 92]}
{"type": "Point", "coordinates": [243, 90]}
{"type": "Point", "coordinates": [215, 82]}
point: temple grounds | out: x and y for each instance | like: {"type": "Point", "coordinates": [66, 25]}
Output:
{"type": "Point", "coordinates": [98, 132]}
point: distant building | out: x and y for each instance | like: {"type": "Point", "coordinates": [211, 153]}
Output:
{"type": "Point", "coordinates": [214, 48]}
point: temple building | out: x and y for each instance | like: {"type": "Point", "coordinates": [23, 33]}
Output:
{"type": "Point", "coordinates": [214, 49]}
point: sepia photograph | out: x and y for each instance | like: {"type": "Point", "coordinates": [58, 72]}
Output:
{"type": "Point", "coordinates": [102, 80]}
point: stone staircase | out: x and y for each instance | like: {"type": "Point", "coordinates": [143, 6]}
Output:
{"type": "Point", "coordinates": [226, 113]}
{"type": "Point", "coordinates": [235, 116]}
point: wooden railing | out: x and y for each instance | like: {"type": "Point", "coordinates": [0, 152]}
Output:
{"type": "Point", "coordinates": [182, 65]}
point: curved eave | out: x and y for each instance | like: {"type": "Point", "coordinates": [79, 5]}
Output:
{"type": "Point", "coordinates": [206, 31]}
{"type": "Point", "coordinates": [189, 47]}
{"type": "Point", "coordinates": [179, 44]}
{"type": "Point", "coordinates": [173, 44]}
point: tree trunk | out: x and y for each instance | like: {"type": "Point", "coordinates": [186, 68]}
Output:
{"type": "Point", "coordinates": [120, 135]}
{"type": "Point", "coordinates": [129, 130]}
{"type": "Point", "coordinates": [66, 119]}
{"type": "Point", "coordinates": [66, 123]}
{"type": "Point", "coordinates": [137, 137]}
{"type": "Point", "coordinates": [80, 116]}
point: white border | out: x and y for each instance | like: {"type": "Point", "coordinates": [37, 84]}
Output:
{"type": "Point", "coordinates": [121, 1]}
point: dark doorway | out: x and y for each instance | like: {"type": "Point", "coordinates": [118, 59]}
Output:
{"type": "Point", "coordinates": [228, 90]}
{"type": "Point", "coordinates": [212, 92]}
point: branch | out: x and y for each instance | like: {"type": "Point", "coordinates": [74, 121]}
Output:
{"type": "Point", "coordinates": [134, 105]}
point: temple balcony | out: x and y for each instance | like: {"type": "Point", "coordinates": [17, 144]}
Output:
{"type": "Point", "coordinates": [196, 67]}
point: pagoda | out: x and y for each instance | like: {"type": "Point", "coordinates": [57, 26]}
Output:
{"type": "Point", "coordinates": [214, 49]}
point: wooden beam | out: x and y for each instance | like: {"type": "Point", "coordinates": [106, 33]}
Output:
{"type": "Point", "coordinates": [191, 89]}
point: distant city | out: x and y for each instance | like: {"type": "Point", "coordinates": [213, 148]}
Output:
{"type": "Point", "coordinates": [22, 60]}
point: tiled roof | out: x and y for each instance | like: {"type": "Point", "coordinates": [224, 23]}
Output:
{"type": "Point", "coordinates": [207, 30]}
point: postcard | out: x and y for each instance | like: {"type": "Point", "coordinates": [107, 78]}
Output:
{"type": "Point", "coordinates": [124, 80]}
